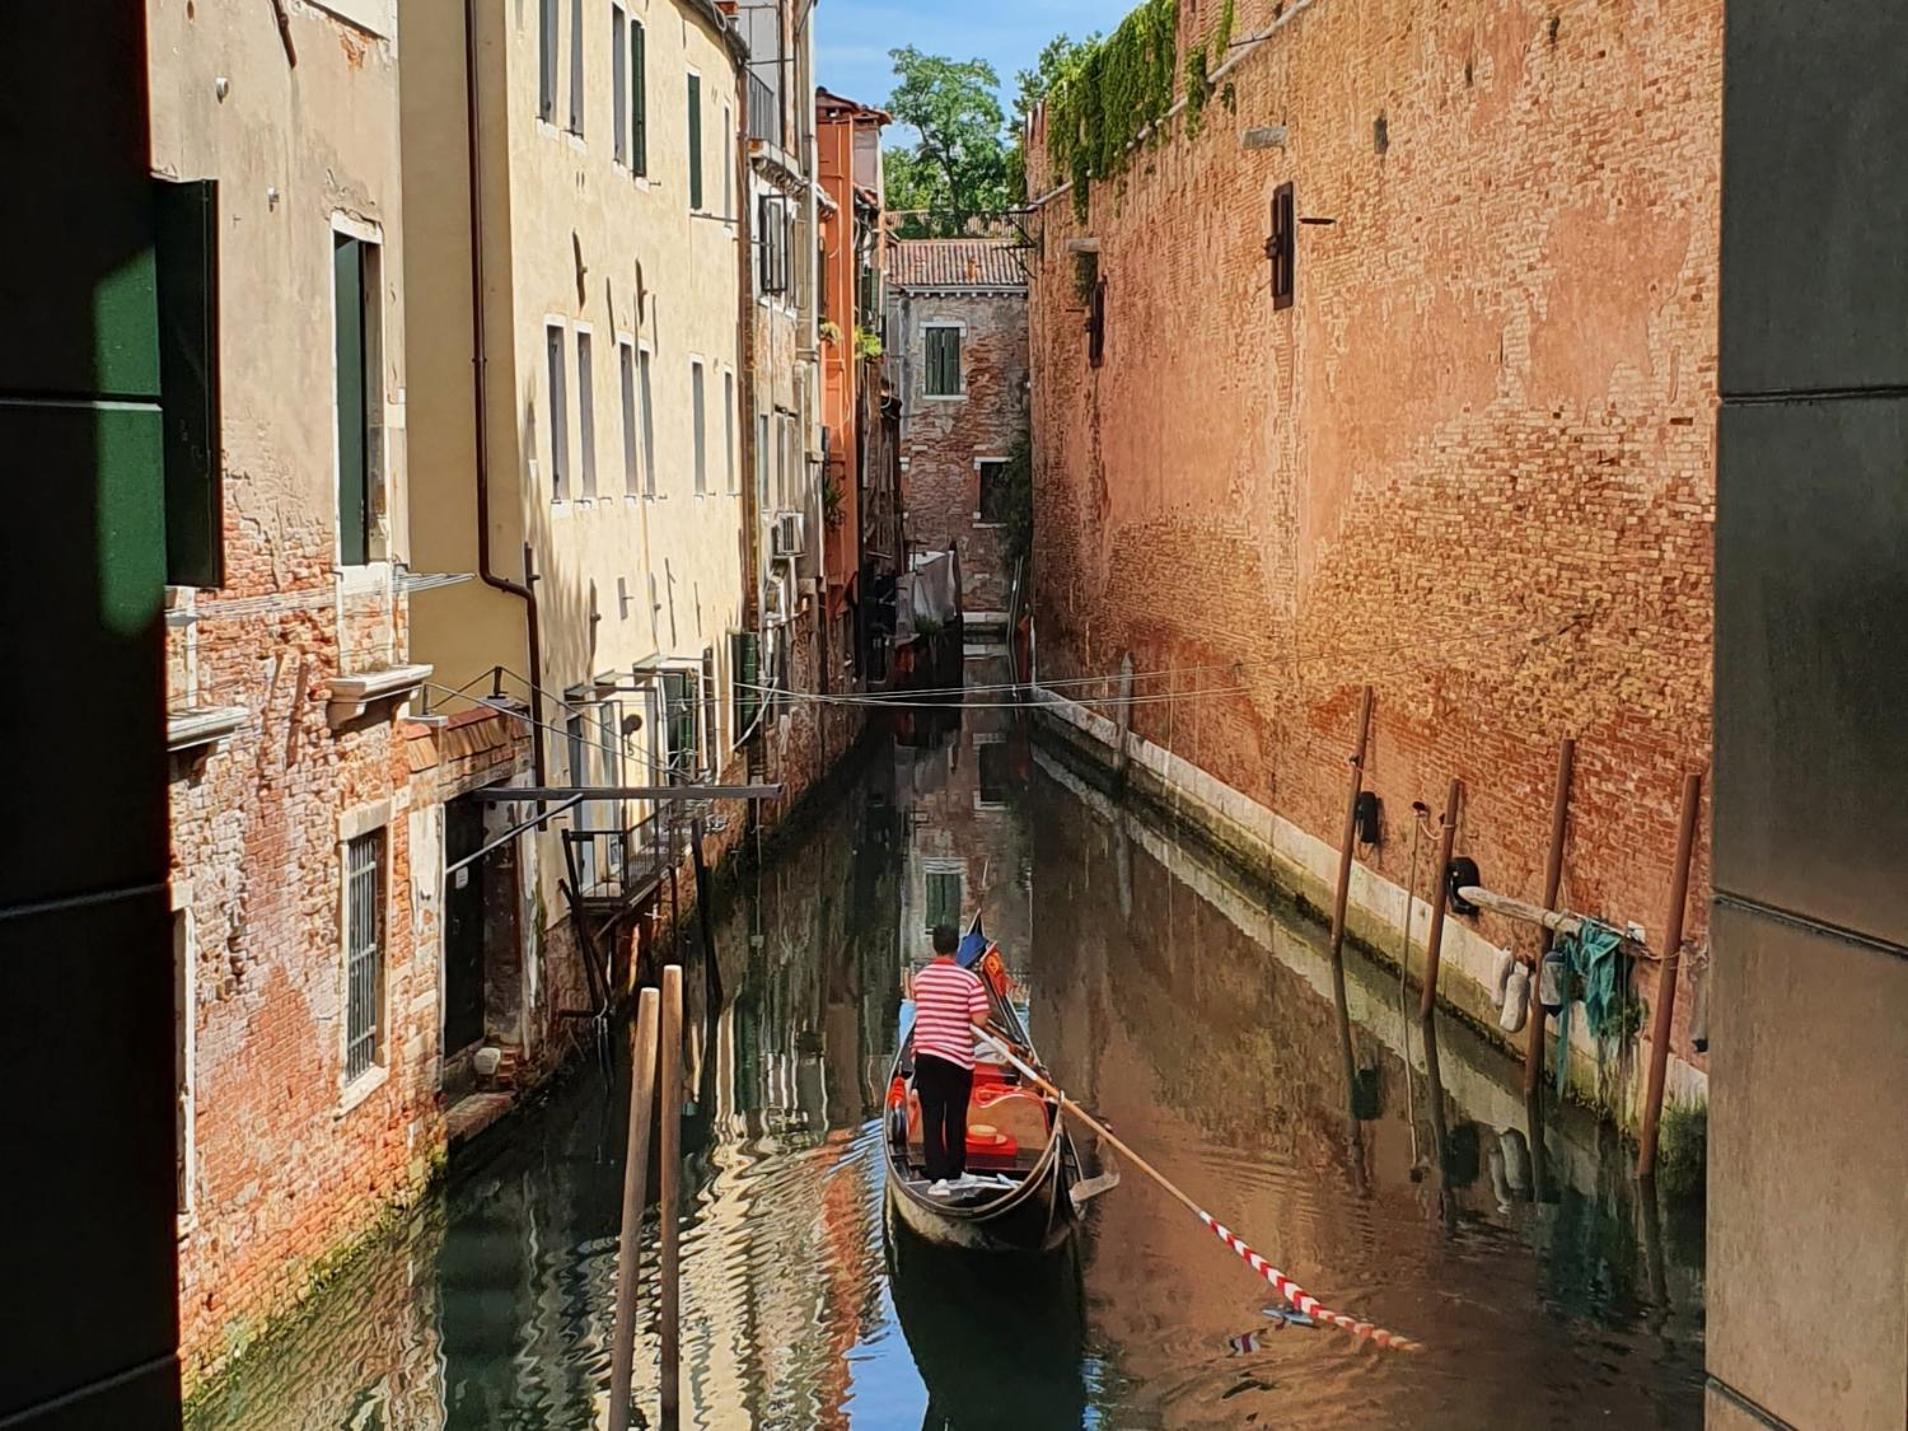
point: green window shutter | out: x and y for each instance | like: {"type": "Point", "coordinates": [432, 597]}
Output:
{"type": "Point", "coordinates": [188, 293]}
{"type": "Point", "coordinates": [354, 494]}
{"type": "Point", "coordinates": [639, 97]}
{"type": "Point", "coordinates": [745, 667]}
{"type": "Point", "coordinates": [695, 141]}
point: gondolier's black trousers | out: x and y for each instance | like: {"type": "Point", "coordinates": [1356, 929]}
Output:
{"type": "Point", "coordinates": [943, 1088]}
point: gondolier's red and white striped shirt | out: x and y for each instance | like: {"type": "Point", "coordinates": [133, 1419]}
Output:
{"type": "Point", "coordinates": [947, 1000]}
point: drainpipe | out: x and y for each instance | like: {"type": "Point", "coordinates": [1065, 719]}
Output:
{"type": "Point", "coordinates": [480, 407]}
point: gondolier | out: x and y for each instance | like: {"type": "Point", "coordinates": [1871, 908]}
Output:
{"type": "Point", "coordinates": [950, 1004]}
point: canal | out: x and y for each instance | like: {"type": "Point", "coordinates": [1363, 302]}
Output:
{"type": "Point", "coordinates": [1408, 1184]}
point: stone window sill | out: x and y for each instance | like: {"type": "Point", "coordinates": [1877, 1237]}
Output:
{"type": "Point", "coordinates": [354, 693]}
{"type": "Point", "coordinates": [200, 726]}
{"type": "Point", "coordinates": [362, 1087]}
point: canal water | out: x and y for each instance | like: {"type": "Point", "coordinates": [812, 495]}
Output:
{"type": "Point", "coordinates": [1410, 1185]}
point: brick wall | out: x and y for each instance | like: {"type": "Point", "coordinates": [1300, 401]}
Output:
{"type": "Point", "coordinates": [286, 1169]}
{"type": "Point", "coordinates": [943, 439]}
{"type": "Point", "coordinates": [1470, 465]}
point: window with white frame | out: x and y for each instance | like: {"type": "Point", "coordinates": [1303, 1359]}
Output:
{"type": "Point", "coordinates": [942, 365]}
{"type": "Point", "coordinates": [626, 374]}
{"type": "Point", "coordinates": [619, 84]}
{"type": "Point", "coordinates": [992, 502]}
{"type": "Point", "coordinates": [576, 68]}
{"type": "Point", "coordinates": [586, 409]}
{"type": "Point", "coordinates": [364, 954]}
{"type": "Point", "coordinates": [699, 418]}
{"type": "Point", "coordinates": [547, 60]}
{"type": "Point", "coordinates": [728, 430]}
{"type": "Point", "coordinates": [648, 395]}
{"type": "Point", "coordinates": [358, 392]}
{"type": "Point", "coordinates": [559, 414]}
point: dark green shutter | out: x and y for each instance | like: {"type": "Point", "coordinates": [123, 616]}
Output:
{"type": "Point", "coordinates": [354, 548]}
{"type": "Point", "coordinates": [745, 674]}
{"type": "Point", "coordinates": [639, 98]}
{"type": "Point", "coordinates": [695, 141]}
{"type": "Point", "coordinates": [188, 295]}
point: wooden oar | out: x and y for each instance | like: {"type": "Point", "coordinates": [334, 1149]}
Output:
{"type": "Point", "coordinates": [1282, 1284]}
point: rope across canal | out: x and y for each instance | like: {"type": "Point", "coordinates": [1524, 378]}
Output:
{"type": "Point", "coordinates": [1296, 1295]}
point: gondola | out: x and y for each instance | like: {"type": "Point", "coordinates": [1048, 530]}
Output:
{"type": "Point", "coordinates": [1018, 1145]}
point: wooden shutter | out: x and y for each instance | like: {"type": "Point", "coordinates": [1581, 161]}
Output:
{"type": "Point", "coordinates": [695, 141]}
{"type": "Point", "coordinates": [188, 274]}
{"type": "Point", "coordinates": [1096, 325]}
{"type": "Point", "coordinates": [1281, 247]}
{"type": "Point", "coordinates": [354, 495]}
{"type": "Point", "coordinates": [745, 673]}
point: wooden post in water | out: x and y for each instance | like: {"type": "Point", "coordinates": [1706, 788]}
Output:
{"type": "Point", "coordinates": [1440, 900]}
{"type": "Point", "coordinates": [642, 1102]}
{"type": "Point", "coordinates": [670, 1154]}
{"type": "Point", "coordinates": [1348, 843]}
{"type": "Point", "coordinates": [1553, 886]}
{"type": "Point", "coordinates": [1666, 977]}
{"type": "Point", "coordinates": [1123, 719]}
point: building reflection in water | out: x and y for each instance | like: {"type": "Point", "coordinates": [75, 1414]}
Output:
{"type": "Point", "coordinates": [1392, 1168]}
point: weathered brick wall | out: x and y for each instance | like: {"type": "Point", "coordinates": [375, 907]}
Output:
{"type": "Point", "coordinates": [1471, 465]}
{"type": "Point", "coordinates": [942, 439]}
{"type": "Point", "coordinates": [284, 1173]}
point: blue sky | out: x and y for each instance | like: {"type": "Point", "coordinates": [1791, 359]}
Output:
{"type": "Point", "coordinates": [853, 37]}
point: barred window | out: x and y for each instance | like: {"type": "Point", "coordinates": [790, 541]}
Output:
{"type": "Point", "coordinates": [364, 953]}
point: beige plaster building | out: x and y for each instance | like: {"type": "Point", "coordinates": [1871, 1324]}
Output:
{"type": "Point", "coordinates": [577, 437]}
{"type": "Point", "coordinates": [306, 953]}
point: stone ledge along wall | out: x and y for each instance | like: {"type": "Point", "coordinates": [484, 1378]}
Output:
{"type": "Point", "coordinates": [1472, 464]}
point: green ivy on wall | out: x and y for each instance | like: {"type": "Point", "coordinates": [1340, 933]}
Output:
{"type": "Point", "coordinates": [1123, 85]}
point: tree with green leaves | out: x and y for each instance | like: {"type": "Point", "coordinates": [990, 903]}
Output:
{"type": "Point", "coordinates": [957, 167]}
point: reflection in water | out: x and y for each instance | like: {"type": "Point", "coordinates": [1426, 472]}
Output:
{"type": "Point", "coordinates": [1391, 1168]}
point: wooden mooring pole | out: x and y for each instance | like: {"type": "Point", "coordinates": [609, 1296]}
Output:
{"type": "Point", "coordinates": [1553, 886]}
{"type": "Point", "coordinates": [1440, 900]}
{"type": "Point", "coordinates": [670, 1153]}
{"type": "Point", "coordinates": [642, 1102]}
{"type": "Point", "coordinates": [1667, 971]}
{"type": "Point", "coordinates": [1349, 842]}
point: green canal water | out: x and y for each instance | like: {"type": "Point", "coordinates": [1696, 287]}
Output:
{"type": "Point", "coordinates": [1410, 1185]}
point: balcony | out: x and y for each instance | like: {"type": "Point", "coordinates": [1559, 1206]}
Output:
{"type": "Point", "coordinates": [612, 871]}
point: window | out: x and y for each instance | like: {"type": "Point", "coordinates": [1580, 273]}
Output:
{"type": "Point", "coordinates": [578, 741]}
{"type": "Point", "coordinates": [609, 816]}
{"type": "Point", "coordinates": [679, 719]}
{"type": "Point", "coordinates": [695, 142]}
{"type": "Point", "coordinates": [772, 244]}
{"type": "Point", "coordinates": [649, 425]}
{"type": "Point", "coordinates": [943, 898]}
{"type": "Point", "coordinates": [185, 1016]}
{"type": "Point", "coordinates": [638, 98]}
{"type": "Point", "coordinates": [619, 83]}
{"type": "Point", "coordinates": [364, 953]}
{"type": "Point", "coordinates": [993, 492]}
{"type": "Point", "coordinates": [186, 254]}
{"type": "Point", "coordinates": [546, 59]}
{"type": "Point", "coordinates": [1281, 247]}
{"type": "Point", "coordinates": [699, 417]}
{"type": "Point", "coordinates": [745, 674]}
{"type": "Point", "coordinates": [1096, 324]}
{"type": "Point", "coordinates": [996, 772]}
{"type": "Point", "coordinates": [728, 428]}
{"type": "Point", "coordinates": [943, 362]}
{"type": "Point", "coordinates": [762, 459]}
{"type": "Point", "coordinates": [626, 371]}
{"type": "Point", "coordinates": [559, 416]}
{"type": "Point", "coordinates": [576, 68]}
{"type": "Point", "coordinates": [710, 709]}
{"type": "Point", "coordinates": [356, 389]}
{"type": "Point", "coordinates": [586, 409]}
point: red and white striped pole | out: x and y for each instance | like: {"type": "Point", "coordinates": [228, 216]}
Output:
{"type": "Point", "coordinates": [1283, 1285]}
